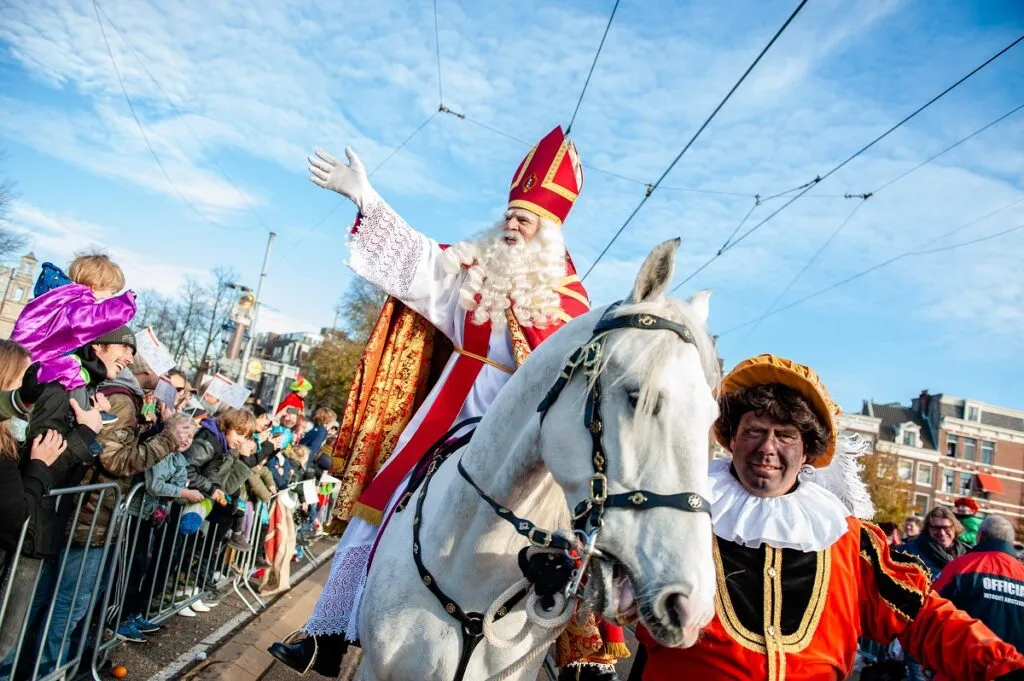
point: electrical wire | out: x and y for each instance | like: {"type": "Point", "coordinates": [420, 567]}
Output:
{"type": "Point", "coordinates": [380, 165]}
{"type": "Point", "coordinates": [860, 204]}
{"type": "Point", "coordinates": [693, 139]}
{"type": "Point", "coordinates": [872, 143]}
{"type": "Point", "coordinates": [179, 113]}
{"type": "Point", "coordinates": [437, 46]}
{"type": "Point", "coordinates": [807, 265]}
{"type": "Point", "coordinates": [145, 137]}
{"type": "Point", "coordinates": [918, 250]}
{"type": "Point", "coordinates": [592, 65]}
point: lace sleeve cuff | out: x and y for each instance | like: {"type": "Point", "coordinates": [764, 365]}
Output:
{"type": "Point", "coordinates": [384, 249]}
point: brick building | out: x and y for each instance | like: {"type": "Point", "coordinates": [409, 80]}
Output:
{"type": "Point", "coordinates": [945, 447]}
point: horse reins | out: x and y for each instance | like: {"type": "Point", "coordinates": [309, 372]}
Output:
{"type": "Point", "coordinates": [588, 516]}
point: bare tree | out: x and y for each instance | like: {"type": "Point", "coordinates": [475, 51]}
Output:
{"type": "Point", "coordinates": [11, 242]}
{"type": "Point", "coordinates": [358, 309]}
{"type": "Point", "coordinates": [189, 308]}
{"type": "Point", "coordinates": [219, 305]}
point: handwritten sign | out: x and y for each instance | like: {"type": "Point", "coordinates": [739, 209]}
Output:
{"type": "Point", "coordinates": [227, 391]}
{"type": "Point", "coordinates": [156, 354]}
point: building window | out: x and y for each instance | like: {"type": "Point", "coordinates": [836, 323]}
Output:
{"type": "Point", "coordinates": [947, 481]}
{"type": "Point", "coordinates": [905, 470]}
{"type": "Point", "coordinates": [924, 474]}
{"type": "Point", "coordinates": [19, 294]}
{"type": "Point", "coordinates": [970, 449]}
{"type": "Point", "coordinates": [910, 438]}
{"type": "Point", "coordinates": [973, 414]}
{"type": "Point", "coordinates": [951, 443]}
{"type": "Point", "coordinates": [921, 502]}
{"type": "Point", "coordinates": [988, 452]}
{"type": "Point", "coordinates": [965, 484]}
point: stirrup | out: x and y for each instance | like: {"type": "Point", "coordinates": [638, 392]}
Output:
{"type": "Point", "coordinates": [289, 639]}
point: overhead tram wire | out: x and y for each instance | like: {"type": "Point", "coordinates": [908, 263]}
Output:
{"type": "Point", "coordinates": [949, 148]}
{"type": "Point", "coordinates": [758, 200]}
{"type": "Point", "coordinates": [437, 49]}
{"type": "Point", "coordinates": [918, 250]}
{"type": "Point", "coordinates": [145, 137]}
{"type": "Point", "coordinates": [807, 266]}
{"type": "Point", "coordinates": [178, 111]}
{"type": "Point", "coordinates": [864, 198]}
{"type": "Point", "coordinates": [693, 139]}
{"type": "Point", "coordinates": [866, 147]}
{"type": "Point", "coordinates": [380, 165]}
{"type": "Point", "coordinates": [592, 66]}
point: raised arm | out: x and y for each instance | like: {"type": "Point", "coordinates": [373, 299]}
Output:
{"type": "Point", "coordinates": [385, 250]}
{"type": "Point", "coordinates": [899, 603]}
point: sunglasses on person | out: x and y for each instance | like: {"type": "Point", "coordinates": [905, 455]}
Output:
{"type": "Point", "coordinates": [941, 528]}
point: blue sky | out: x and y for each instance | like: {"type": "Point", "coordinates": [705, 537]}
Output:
{"type": "Point", "coordinates": [245, 90]}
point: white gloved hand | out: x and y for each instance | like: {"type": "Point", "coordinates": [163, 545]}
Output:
{"type": "Point", "coordinates": [349, 180]}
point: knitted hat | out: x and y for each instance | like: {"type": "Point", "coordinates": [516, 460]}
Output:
{"type": "Point", "coordinates": [300, 384]}
{"type": "Point", "coordinates": [121, 336]}
{"type": "Point", "coordinates": [765, 369]}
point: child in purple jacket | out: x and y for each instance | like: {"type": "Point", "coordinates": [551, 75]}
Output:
{"type": "Point", "coordinates": [69, 312]}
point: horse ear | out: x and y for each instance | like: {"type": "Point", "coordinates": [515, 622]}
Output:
{"type": "Point", "coordinates": [700, 304]}
{"type": "Point", "coordinates": [655, 273]}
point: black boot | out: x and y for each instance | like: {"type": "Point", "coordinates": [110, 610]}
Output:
{"type": "Point", "coordinates": [327, 651]}
{"type": "Point", "coordinates": [588, 672]}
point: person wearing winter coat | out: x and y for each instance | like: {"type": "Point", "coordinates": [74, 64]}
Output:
{"type": "Point", "coordinates": [209, 458]}
{"type": "Point", "coordinates": [124, 455]}
{"type": "Point", "coordinates": [55, 410]}
{"type": "Point", "coordinates": [22, 487]}
{"type": "Point", "coordinates": [319, 462]}
{"type": "Point", "coordinates": [937, 545]}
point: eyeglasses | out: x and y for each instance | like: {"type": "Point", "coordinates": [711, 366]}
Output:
{"type": "Point", "coordinates": [941, 528]}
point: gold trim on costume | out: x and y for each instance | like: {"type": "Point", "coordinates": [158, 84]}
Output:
{"type": "Point", "coordinates": [485, 360]}
{"type": "Point", "coordinates": [549, 178]}
{"type": "Point", "coordinates": [522, 169]}
{"type": "Point", "coordinates": [370, 515]}
{"type": "Point", "coordinates": [772, 643]}
{"type": "Point", "coordinates": [520, 346]}
{"type": "Point", "coordinates": [727, 614]}
{"type": "Point", "coordinates": [575, 295]}
{"type": "Point", "coordinates": [801, 638]}
{"type": "Point", "coordinates": [534, 208]}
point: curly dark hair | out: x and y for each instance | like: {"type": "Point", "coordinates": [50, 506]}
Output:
{"type": "Point", "coordinates": [779, 403]}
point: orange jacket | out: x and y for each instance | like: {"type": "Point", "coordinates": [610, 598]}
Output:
{"type": "Point", "coordinates": [786, 614]}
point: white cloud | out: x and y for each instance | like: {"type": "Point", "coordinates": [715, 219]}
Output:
{"type": "Point", "coordinates": [60, 237]}
{"type": "Point", "coordinates": [264, 83]}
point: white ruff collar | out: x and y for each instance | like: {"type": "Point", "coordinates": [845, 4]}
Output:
{"type": "Point", "coordinates": [808, 519]}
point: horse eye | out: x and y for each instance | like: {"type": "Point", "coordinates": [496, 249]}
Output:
{"type": "Point", "coordinates": [634, 398]}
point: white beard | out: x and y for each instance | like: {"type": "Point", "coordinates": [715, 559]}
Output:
{"type": "Point", "coordinates": [521, 276]}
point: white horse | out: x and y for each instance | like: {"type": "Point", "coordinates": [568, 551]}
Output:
{"type": "Point", "coordinates": [655, 566]}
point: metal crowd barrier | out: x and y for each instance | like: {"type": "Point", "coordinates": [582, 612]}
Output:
{"type": "Point", "coordinates": [174, 572]}
{"type": "Point", "coordinates": [51, 641]}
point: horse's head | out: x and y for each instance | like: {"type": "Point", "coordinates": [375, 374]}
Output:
{"type": "Point", "coordinates": [655, 410]}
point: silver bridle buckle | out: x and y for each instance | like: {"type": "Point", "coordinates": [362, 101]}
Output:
{"type": "Point", "coordinates": [589, 541]}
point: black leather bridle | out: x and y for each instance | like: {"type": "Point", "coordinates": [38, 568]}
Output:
{"type": "Point", "coordinates": [588, 516]}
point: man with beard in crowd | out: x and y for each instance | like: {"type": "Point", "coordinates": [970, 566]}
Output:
{"type": "Point", "coordinates": [495, 297]}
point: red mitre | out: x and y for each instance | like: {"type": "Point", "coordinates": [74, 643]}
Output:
{"type": "Point", "coordinates": [549, 179]}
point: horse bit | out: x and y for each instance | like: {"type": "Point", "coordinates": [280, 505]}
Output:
{"type": "Point", "coordinates": [588, 515]}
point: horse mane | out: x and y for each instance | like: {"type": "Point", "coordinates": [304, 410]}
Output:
{"type": "Point", "coordinates": [657, 352]}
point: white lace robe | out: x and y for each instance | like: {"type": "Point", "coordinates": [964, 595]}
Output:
{"type": "Point", "coordinates": [386, 251]}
